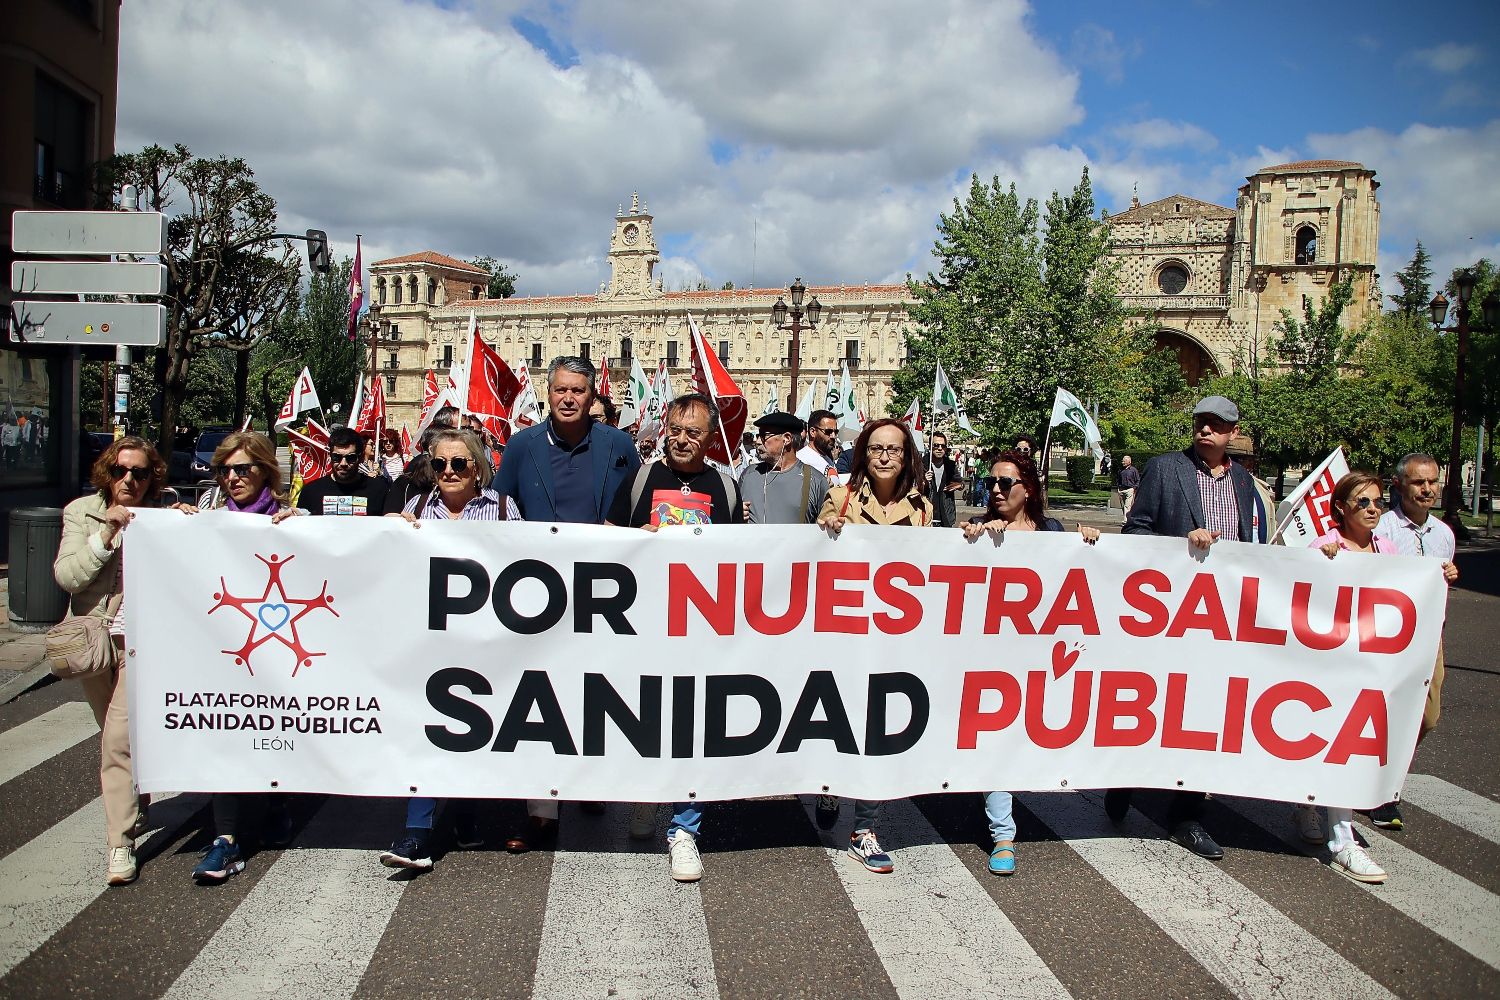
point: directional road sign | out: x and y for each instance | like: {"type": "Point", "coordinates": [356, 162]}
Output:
{"type": "Point", "coordinates": [136, 323]}
{"type": "Point", "coordinates": [47, 277]}
{"type": "Point", "coordinates": [89, 232]}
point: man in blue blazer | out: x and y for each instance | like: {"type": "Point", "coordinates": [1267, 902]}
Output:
{"type": "Point", "coordinates": [567, 468]}
{"type": "Point", "coordinates": [1200, 495]}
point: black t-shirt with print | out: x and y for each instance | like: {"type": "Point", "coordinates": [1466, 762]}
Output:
{"type": "Point", "coordinates": [663, 502]}
{"type": "Point", "coordinates": [326, 495]}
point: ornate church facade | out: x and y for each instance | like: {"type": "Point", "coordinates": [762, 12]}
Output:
{"type": "Point", "coordinates": [1210, 279]}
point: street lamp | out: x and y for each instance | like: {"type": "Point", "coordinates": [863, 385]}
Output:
{"type": "Point", "coordinates": [779, 314]}
{"type": "Point", "coordinates": [1463, 283]}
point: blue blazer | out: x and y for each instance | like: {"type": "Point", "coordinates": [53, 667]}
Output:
{"type": "Point", "coordinates": [526, 470]}
{"type": "Point", "coordinates": [1168, 501]}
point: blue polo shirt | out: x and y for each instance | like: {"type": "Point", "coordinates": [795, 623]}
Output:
{"type": "Point", "coordinates": [573, 479]}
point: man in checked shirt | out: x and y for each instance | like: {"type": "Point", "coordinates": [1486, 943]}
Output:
{"type": "Point", "coordinates": [1411, 528]}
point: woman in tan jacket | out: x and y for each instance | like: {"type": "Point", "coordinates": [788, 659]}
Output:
{"type": "Point", "coordinates": [129, 474]}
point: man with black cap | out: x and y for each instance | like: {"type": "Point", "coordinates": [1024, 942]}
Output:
{"type": "Point", "coordinates": [781, 489]}
{"type": "Point", "coordinates": [1200, 495]}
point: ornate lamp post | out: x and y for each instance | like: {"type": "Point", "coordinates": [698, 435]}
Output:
{"type": "Point", "coordinates": [779, 314]}
{"type": "Point", "coordinates": [1464, 282]}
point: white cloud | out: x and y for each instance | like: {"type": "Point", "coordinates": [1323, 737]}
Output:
{"type": "Point", "coordinates": [1449, 57]}
{"type": "Point", "coordinates": [1096, 48]}
{"type": "Point", "coordinates": [1159, 133]}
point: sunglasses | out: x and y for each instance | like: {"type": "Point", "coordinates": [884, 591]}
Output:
{"type": "Point", "coordinates": [1365, 503]}
{"type": "Point", "coordinates": [459, 465]}
{"type": "Point", "coordinates": [349, 459]}
{"type": "Point", "coordinates": [1004, 482]}
{"type": "Point", "coordinates": [136, 473]}
{"type": "Point", "coordinates": [241, 469]}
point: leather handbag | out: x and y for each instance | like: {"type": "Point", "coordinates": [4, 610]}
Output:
{"type": "Point", "coordinates": [80, 646]}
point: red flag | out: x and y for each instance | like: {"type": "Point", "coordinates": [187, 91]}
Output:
{"type": "Point", "coordinates": [711, 379]}
{"type": "Point", "coordinates": [407, 451]}
{"type": "Point", "coordinates": [493, 387]}
{"type": "Point", "coordinates": [429, 388]}
{"type": "Point", "coordinates": [311, 451]}
{"type": "Point", "coordinates": [356, 290]}
{"type": "Point", "coordinates": [371, 417]}
{"type": "Point", "coordinates": [604, 389]}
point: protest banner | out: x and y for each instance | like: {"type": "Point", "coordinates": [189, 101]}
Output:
{"type": "Point", "coordinates": [528, 660]}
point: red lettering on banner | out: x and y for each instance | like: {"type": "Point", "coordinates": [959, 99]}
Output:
{"type": "Point", "coordinates": [1136, 597]}
{"type": "Point", "coordinates": [1202, 593]}
{"type": "Point", "coordinates": [1305, 633]}
{"type": "Point", "coordinates": [1107, 733]}
{"type": "Point", "coordinates": [1248, 630]}
{"type": "Point", "coordinates": [897, 599]}
{"type": "Point", "coordinates": [1233, 740]}
{"type": "Point", "coordinates": [957, 579]}
{"type": "Point", "coordinates": [1074, 605]}
{"type": "Point", "coordinates": [684, 588]}
{"type": "Point", "coordinates": [1037, 729]}
{"type": "Point", "coordinates": [1173, 735]}
{"type": "Point", "coordinates": [828, 598]}
{"type": "Point", "coordinates": [1318, 502]}
{"type": "Point", "coordinates": [1019, 612]}
{"type": "Point", "coordinates": [1368, 710]}
{"type": "Point", "coordinates": [971, 721]}
{"type": "Point", "coordinates": [1370, 641]}
{"type": "Point", "coordinates": [1265, 707]}
{"type": "Point", "coordinates": [755, 605]}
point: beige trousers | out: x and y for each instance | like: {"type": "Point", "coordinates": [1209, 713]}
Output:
{"type": "Point", "coordinates": [107, 697]}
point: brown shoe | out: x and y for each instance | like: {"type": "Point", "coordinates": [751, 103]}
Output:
{"type": "Point", "coordinates": [535, 833]}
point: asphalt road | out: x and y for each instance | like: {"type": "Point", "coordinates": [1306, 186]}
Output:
{"type": "Point", "coordinates": [1093, 911]}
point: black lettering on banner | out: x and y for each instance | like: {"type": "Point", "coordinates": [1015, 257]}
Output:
{"type": "Point", "coordinates": [717, 690]}
{"type": "Point", "coordinates": [601, 701]}
{"type": "Point", "coordinates": [684, 690]}
{"type": "Point", "coordinates": [440, 603]}
{"type": "Point", "coordinates": [820, 689]}
{"type": "Point", "coordinates": [441, 697]}
{"type": "Point", "coordinates": [557, 596]}
{"type": "Point", "coordinates": [587, 604]}
{"type": "Point", "coordinates": [535, 688]}
{"type": "Point", "coordinates": [878, 742]}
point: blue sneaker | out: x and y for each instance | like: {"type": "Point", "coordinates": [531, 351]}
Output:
{"type": "Point", "coordinates": [410, 851]}
{"type": "Point", "coordinates": [864, 848]}
{"type": "Point", "coordinates": [1003, 858]}
{"type": "Point", "coordinates": [221, 860]}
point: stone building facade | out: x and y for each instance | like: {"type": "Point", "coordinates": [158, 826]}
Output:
{"type": "Point", "coordinates": [1212, 280]}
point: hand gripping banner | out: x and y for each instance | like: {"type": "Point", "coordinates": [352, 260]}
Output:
{"type": "Point", "coordinates": [568, 661]}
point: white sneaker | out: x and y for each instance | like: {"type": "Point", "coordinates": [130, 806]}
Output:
{"type": "Point", "coordinates": [643, 821]}
{"type": "Point", "coordinates": [1309, 824]}
{"type": "Point", "coordinates": [122, 870]}
{"type": "Point", "coordinates": [1356, 864]}
{"type": "Point", "coordinates": [687, 866]}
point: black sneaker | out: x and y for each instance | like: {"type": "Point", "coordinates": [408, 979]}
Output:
{"type": "Point", "coordinates": [1117, 804]}
{"type": "Point", "coordinates": [1196, 839]}
{"type": "Point", "coordinates": [1387, 817]}
{"type": "Point", "coordinates": [826, 811]}
{"type": "Point", "coordinates": [466, 832]}
{"type": "Point", "coordinates": [410, 851]}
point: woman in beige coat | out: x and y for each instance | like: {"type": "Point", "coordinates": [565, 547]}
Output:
{"type": "Point", "coordinates": [129, 474]}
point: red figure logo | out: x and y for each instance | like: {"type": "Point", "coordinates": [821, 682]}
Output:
{"type": "Point", "coordinates": [273, 618]}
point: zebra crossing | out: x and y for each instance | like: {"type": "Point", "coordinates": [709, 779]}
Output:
{"type": "Point", "coordinates": [1095, 910]}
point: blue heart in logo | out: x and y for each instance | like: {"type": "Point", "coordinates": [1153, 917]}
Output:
{"type": "Point", "coordinates": [273, 616]}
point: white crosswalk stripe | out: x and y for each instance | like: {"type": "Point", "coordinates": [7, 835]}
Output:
{"type": "Point", "coordinates": [44, 737]}
{"type": "Point", "coordinates": [1458, 806]}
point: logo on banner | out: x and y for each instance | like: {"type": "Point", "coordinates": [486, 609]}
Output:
{"type": "Point", "coordinates": [273, 618]}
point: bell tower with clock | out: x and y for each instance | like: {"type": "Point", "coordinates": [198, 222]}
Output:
{"type": "Point", "coordinates": [632, 255]}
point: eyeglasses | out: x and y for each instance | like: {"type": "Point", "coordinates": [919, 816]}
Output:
{"type": "Point", "coordinates": [240, 469]}
{"type": "Point", "coordinates": [350, 459]}
{"type": "Point", "coordinates": [893, 450]}
{"type": "Point", "coordinates": [691, 433]}
{"type": "Point", "coordinates": [137, 473]}
{"type": "Point", "coordinates": [762, 435]}
{"type": "Point", "coordinates": [825, 430]}
{"type": "Point", "coordinates": [1004, 482]}
{"type": "Point", "coordinates": [1365, 503]}
{"type": "Point", "coordinates": [459, 465]}
{"type": "Point", "coordinates": [1021, 450]}
{"type": "Point", "coordinates": [938, 447]}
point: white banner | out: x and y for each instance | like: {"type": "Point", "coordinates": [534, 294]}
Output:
{"type": "Point", "coordinates": [371, 657]}
{"type": "Point", "coordinates": [1305, 515]}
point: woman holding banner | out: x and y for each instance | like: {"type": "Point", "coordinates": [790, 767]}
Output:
{"type": "Point", "coordinates": [1355, 508]}
{"type": "Point", "coordinates": [1016, 503]}
{"type": "Point", "coordinates": [886, 480]}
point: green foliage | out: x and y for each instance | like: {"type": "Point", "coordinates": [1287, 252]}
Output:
{"type": "Point", "coordinates": [312, 330]}
{"type": "Point", "coordinates": [1316, 347]}
{"type": "Point", "coordinates": [1080, 472]}
{"type": "Point", "coordinates": [1147, 402]}
{"type": "Point", "coordinates": [1416, 285]}
{"type": "Point", "coordinates": [502, 281]}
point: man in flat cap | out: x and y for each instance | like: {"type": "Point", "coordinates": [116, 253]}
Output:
{"type": "Point", "coordinates": [1200, 495]}
{"type": "Point", "coordinates": [781, 489]}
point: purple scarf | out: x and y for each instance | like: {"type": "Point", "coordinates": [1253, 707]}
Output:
{"type": "Point", "coordinates": [263, 504]}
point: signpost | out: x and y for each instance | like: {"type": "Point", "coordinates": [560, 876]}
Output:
{"type": "Point", "coordinates": [84, 233]}
{"type": "Point", "coordinates": [139, 324]}
{"type": "Point", "coordinates": [36, 277]}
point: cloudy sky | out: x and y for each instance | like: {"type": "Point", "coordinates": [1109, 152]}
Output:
{"type": "Point", "coordinates": [784, 138]}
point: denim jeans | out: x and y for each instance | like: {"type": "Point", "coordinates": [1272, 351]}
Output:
{"type": "Point", "coordinates": [866, 815]}
{"type": "Point", "coordinates": [419, 813]}
{"type": "Point", "coordinates": [686, 816]}
{"type": "Point", "coordinates": [997, 808]}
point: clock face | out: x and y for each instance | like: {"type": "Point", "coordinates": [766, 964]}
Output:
{"type": "Point", "coordinates": [632, 233]}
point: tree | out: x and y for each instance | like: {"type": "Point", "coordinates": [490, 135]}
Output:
{"type": "Point", "coordinates": [312, 330]}
{"type": "Point", "coordinates": [227, 276]}
{"type": "Point", "coordinates": [502, 281]}
{"type": "Point", "coordinates": [1416, 284]}
{"type": "Point", "coordinates": [1317, 346]}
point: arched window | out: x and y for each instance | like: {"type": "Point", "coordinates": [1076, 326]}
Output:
{"type": "Point", "coordinates": [411, 283]}
{"type": "Point", "coordinates": [380, 290]}
{"type": "Point", "coordinates": [1172, 279]}
{"type": "Point", "coordinates": [431, 290]}
{"type": "Point", "coordinates": [1307, 246]}
{"type": "Point", "coordinates": [626, 350]}
{"type": "Point", "coordinates": [473, 291]}
{"type": "Point", "coordinates": [396, 290]}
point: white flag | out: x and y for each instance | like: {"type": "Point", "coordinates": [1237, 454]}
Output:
{"type": "Point", "coordinates": [656, 404]}
{"type": "Point", "coordinates": [637, 392]}
{"type": "Point", "coordinates": [913, 422]}
{"type": "Point", "coordinates": [770, 405]}
{"type": "Point", "coordinates": [945, 400]}
{"type": "Point", "coordinates": [1304, 515]}
{"type": "Point", "coordinates": [302, 397]}
{"type": "Point", "coordinates": [528, 409]}
{"type": "Point", "coordinates": [805, 405]}
{"type": "Point", "coordinates": [1068, 409]}
{"type": "Point", "coordinates": [851, 421]}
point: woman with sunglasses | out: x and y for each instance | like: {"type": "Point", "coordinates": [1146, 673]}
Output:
{"type": "Point", "coordinates": [129, 474]}
{"type": "Point", "coordinates": [886, 481]}
{"type": "Point", "coordinates": [247, 480]}
{"type": "Point", "coordinates": [391, 459]}
{"type": "Point", "coordinates": [460, 492]}
{"type": "Point", "coordinates": [1355, 510]}
{"type": "Point", "coordinates": [1015, 504]}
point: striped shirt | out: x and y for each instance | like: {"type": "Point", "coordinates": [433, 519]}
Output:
{"type": "Point", "coordinates": [862, 508]}
{"type": "Point", "coordinates": [485, 507]}
{"type": "Point", "coordinates": [1431, 538]}
{"type": "Point", "coordinates": [1221, 509]}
